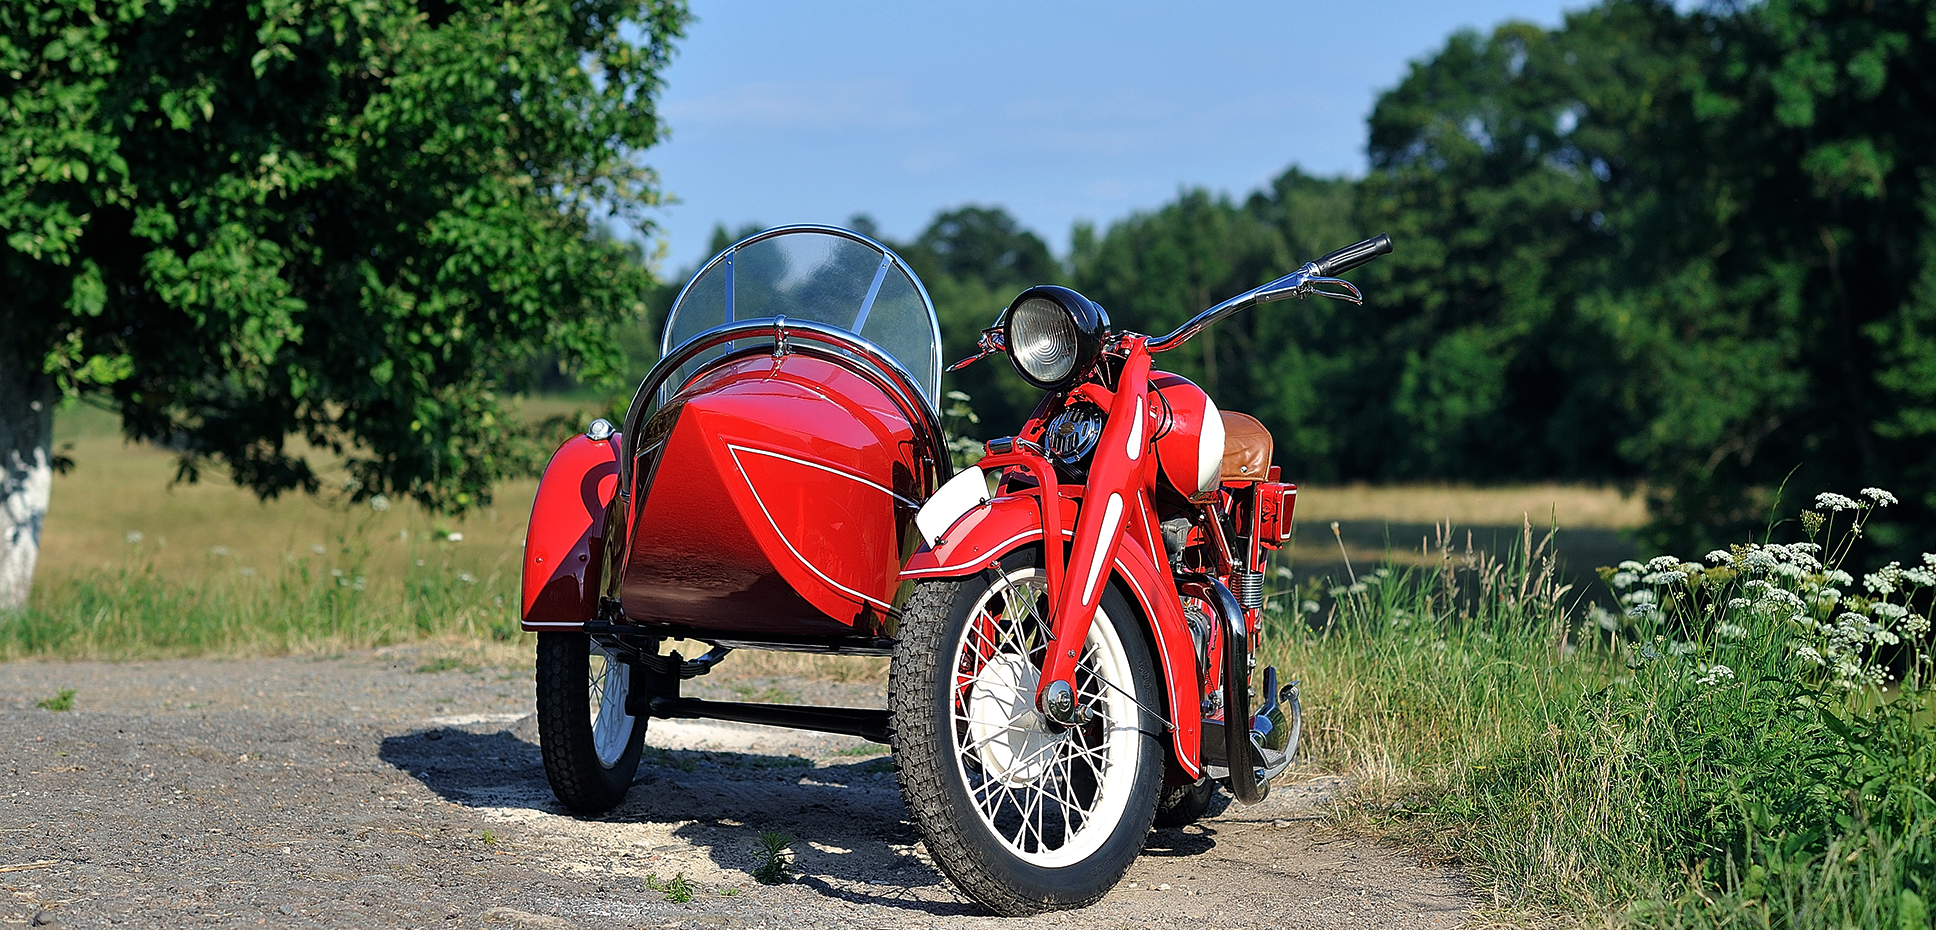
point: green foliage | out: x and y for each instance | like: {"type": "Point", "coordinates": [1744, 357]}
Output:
{"type": "Point", "coordinates": [678, 889]}
{"type": "Point", "coordinates": [773, 861]}
{"type": "Point", "coordinates": [353, 221]}
{"type": "Point", "coordinates": [59, 702]}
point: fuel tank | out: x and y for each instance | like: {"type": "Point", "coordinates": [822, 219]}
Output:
{"type": "Point", "coordinates": [773, 496]}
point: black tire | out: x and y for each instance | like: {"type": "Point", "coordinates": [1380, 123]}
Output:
{"type": "Point", "coordinates": [1185, 804]}
{"type": "Point", "coordinates": [1093, 797]}
{"type": "Point", "coordinates": [571, 707]}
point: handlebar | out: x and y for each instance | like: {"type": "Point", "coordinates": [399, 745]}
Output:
{"type": "Point", "coordinates": [1299, 283]}
{"type": "Point", "coordinates": [1351, 256]}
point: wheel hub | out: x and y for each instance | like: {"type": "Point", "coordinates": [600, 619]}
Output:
{"type": "Point", "coordinates": [1002, 721]}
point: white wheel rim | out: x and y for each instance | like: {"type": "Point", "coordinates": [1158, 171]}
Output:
{"type": "Point", "coordinates": [611, 681]}
{"type": "Point", "coordinates": [1050, 798]}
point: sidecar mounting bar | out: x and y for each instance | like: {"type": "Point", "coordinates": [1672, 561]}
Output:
{"type": "Point", "coordinates": [865, 723]}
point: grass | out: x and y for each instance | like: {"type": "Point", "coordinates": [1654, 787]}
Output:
{"type": "Point", "coordinates": [773, 860]}
{"type": "Point", "coordinates": [1718, 753]}
{"type": "Point", "coordinates": [59, 702]}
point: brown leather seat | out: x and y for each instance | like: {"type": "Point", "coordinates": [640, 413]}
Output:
{"type": "Point", "coordinates": [1246, 448]}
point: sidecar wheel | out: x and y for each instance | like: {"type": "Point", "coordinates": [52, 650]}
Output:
{"type": "Point", "coordinates": [1023, 816]}
{"type": "Point", "coordinates": [590, 744]}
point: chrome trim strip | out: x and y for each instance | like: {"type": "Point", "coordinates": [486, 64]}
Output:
{"type": "Point", "coordinates": [835, 471]}
{"type": "Point", "coordinates": [874, 364]}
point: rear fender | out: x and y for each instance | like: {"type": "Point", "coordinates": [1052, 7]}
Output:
{"type": "Point", "coordinates": [987, 533]}
{"type": "Point", "coordinates": [563, 545]}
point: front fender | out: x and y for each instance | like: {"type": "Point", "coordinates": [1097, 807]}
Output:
{"type": "Point", "coordinates": [987, 533]}
{"type": "Point", "coordinates": [562, 557]}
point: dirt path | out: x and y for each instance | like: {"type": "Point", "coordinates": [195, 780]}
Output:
{"type": "Point", "coordinates": [361, 791]}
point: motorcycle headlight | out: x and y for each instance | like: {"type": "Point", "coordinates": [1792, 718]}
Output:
{"type": "Point", "coordinates": [1054, 336]}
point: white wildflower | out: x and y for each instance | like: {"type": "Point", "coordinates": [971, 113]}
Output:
{"type": "Point", "coordinates": [1739, 603]}
{"type": "Point", "coordinates": [1803, 554]}
{"type": "Point", "coordinates": [1624, 579]}
{"type": "Point", "coordinates": [1715, 675]}
{"type": "Point", "coordinates": [1670, 577]}
{"type": "Point", "coordinates": [1888, 611]}
{"type": "Point", "coordinates": [1920, 577]}
{"type": "Point", "coordinates": [379, 503]}
{"type": "Point", "coordinates": [318, 549]}
{"type": "Point", "coordinates": [1756, 560]}
{"type": "Point", "coordinates": [1639, 611]}
{"type": "Point", "coordinates": [1661, 563]}
{"type": "Point", "coordinates": [1929, 559]}
{"type": "Point", "coordinates": [134, 536]}
{"type": "Point", "coordinates": [1633, 566]}
{"type": "Point", "coordinates": [1788, 570]}
{"type": "Point", "coordinates": [466, 577]}
{"type": "Point", "coordinates": [1721, 557]}
{"type": "Point", "coordinates": [1882, 498]}
{"type": "Point", "coordinates": [1730, 631]}
{"type": "Point", "coordinates": [219, 551]}
{"type": "Point", "coordinates": [1885, 579]}
{"type": "Point", "coordinates": [336, 573]}
{"type": "Point", "coordinates": [1808, 654]}
{"type": "Point", "coordinates": [1679, 648]}
{"type": "Point", "coordinates": [1358, 588]}
{"type": "Point", "coordinates": [1915, 624]}
{"type": "Point", "coordinates": [1886, 638]}
{"type": "Point", "coordinates": [455, 537]}
{"type": "Point", "coordinates": [1603, 618]}
{"type": "Point", "coordinates": [1835, 502]}
{"type": "Point", "coordinates": [246, 571]}
{"type": "Point", "coordinates": [1642, 596]}
{"type": "Point", "coordinates": [1838, 576]}
{"type": "Point", "coordinates": [1309, 607]}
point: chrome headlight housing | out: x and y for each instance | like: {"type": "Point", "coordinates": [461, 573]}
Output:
{"type": "Point", "coordinates": [1054, 336]}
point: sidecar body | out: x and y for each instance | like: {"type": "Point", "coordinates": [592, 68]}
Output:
{"type": "Point", "coordinates": [762, 488]}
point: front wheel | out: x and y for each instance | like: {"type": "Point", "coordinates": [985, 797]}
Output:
{"type": "Point", "coordinates": [590, 744]}
{"type": "Point", "coordinates": [1023, 815]}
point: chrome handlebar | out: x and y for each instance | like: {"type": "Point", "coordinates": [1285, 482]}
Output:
{"type": "Point", "coordinates": [1304, 282]}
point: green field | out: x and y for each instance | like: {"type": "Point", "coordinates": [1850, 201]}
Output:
{"type": "Point", "coordinates": [1586, 764]}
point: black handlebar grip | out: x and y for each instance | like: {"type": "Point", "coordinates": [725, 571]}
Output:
{"type": "Point", "coordinates": [1351, 256]}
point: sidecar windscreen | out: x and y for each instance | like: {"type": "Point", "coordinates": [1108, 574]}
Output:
{"type": "Point", "coordinates": [819, 273]}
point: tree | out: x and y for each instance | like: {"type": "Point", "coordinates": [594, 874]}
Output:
{"type": "Point", "coordinates": [974, 260]}
{"type": "Point", "coordinates": [352, 221]}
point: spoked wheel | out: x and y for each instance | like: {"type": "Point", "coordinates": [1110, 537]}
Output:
{"type": "Point", "coordinates": [591, 745]}
{"type": "Point", "coordinates": [1023, 815]}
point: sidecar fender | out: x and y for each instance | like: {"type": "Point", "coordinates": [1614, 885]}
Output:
{"type": "Point", "coordinates": [563, 542]}
{"type": "Point", "coordinates": [981, 537]}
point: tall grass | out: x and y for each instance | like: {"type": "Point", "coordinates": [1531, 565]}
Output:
{"type": "Point", "coordinates": [1745, 743]}
{"type": "Point", "coordinates": [355, 593]}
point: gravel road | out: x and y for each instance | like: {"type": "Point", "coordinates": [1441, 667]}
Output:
{"type": "Point", "coordinates": [364, 790]}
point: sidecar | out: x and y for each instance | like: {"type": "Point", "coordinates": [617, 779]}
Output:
{"type": "Point", "coordinates": [761, 492]}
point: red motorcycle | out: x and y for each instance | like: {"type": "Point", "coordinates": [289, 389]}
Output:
{"type": "Point", "coordinates": [1072, 621]}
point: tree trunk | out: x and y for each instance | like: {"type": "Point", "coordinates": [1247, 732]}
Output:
{"type": "Point", "coordinates": [26, 468]}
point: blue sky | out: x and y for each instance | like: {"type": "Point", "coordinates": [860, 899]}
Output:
{"type": "Point", "coordinates": [1057, 111]}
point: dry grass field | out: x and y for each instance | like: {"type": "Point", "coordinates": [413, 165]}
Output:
{"type": "Point", "coordinates": [119, 523]}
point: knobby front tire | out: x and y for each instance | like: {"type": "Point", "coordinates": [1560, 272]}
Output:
{"type": "Point", "coordinates": [590, 745]}
{"type": "Point", "coordinates": [1023, 816]}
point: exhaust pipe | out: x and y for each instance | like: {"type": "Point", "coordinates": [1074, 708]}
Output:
{"type": "Point", "coordinates": [1265, 748]}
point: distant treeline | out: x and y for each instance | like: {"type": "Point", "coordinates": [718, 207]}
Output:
{"type": "Point", "coordinates": [1692, 251]}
